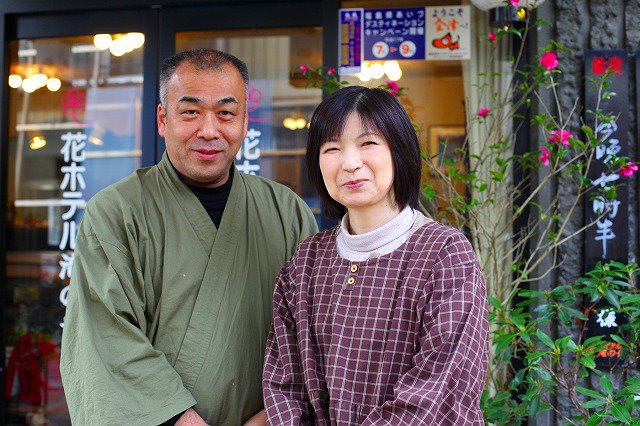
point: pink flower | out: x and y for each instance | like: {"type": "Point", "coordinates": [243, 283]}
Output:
{"type": "Point", "coordinates": [483, 112]}
{"type": "Point", "coordinates": [331, 71]}
{"type": "Point", "coordinates": [514, 3]}
{"type": "Point", "coordinates": [628, 169]}
{"type": "Point", "coordinates": [393, 87]}
{"type": "Point", "coordinates": [491, 37]}
{"type": "Point", "coordinates": [560, 136]}
{"type": "Point", "coordinates": [549, 61]}
{"type": "Point", "coordinates": [544, 156]}
{"type": "Point", "coordinates": [304, 69]}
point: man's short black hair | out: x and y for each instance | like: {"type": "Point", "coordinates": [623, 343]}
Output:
{"type": "Point", "coordinates": [380, 111]}
{"type": "Point", "coordinates": [201, 59]}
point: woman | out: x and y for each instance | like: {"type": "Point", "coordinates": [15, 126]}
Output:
{"type": "Point", "coordinates": [382, 319]}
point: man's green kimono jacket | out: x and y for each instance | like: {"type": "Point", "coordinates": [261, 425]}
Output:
{"type": "Point", "coordinates": [165, 311]}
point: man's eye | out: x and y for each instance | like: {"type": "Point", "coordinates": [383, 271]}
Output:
{"type": "Point", "coordinates": [190, 112]}
{"type": "Point", "coordinates": [226, 113]}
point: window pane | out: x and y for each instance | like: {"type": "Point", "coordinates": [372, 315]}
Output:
{"type": "Point", "coordinates": [74, 128]}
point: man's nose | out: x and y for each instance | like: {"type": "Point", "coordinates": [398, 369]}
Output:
{"type": "Point", "coordinates": [209, 127]}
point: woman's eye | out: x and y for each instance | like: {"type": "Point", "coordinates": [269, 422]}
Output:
{"type": "Point", "coordinates": [331, 149]}
{"type": "Point", "coordinates": [370, 143]}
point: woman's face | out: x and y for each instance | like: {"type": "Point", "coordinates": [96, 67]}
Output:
{"type": "Point", "coordinates": [357, 169]}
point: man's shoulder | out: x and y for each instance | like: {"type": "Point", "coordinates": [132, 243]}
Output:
{"type": "Point", "coordinates": [261, 187]}
{"type": "Point", "coordinates": [126, 190]}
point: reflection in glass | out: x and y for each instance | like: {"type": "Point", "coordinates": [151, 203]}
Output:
{"type": "Point", "coordinates": [74, 128]}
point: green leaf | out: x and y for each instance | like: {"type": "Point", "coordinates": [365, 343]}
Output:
{"type": "Point", "coordinates": [594, 420]}
{"type": "Point", "coordinates": [612, 297]}
{"type": "Point", "coordinates": [495, 302]}
{"type": "Point", "coordinates": [621, 413]}
{"type": "Point", "coordinates": [588, 361]}
{"type": "Point", "coordinates": [545, 339]}
{"type": "Point", "coordinates": [589, 392]}
{"type": "Point", "coordinates": [594, 403]}
{"type": "Point", "coordinates": [606, 384]}
{"type": "Point", "coordinates": [630, 299]}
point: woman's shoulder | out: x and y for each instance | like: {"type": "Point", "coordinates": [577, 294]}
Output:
{"type": "Point", "coordinates": [443, 241]}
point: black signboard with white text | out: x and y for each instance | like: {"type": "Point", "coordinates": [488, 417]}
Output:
{"type": "Point", "coordinates": [608, 238]}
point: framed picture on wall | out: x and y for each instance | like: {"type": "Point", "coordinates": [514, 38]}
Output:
{"type": "Point", "coordinates": [445, 141]}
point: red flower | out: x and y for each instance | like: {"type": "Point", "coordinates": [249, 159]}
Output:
{"type": "Point", "coordinates": [615, 65]}
{"type": "Point", "coordinates": [549, 61]}
{"type": "Point", "coordinates": [491, 37]}
{"type": "Point", "coordinates": [544, 156]}
{"type": "Point", "coordinates": [560, 136]}
{"type": "Point", "coordinates": [331, 71]}
{"type": "Point", "coordinates": [598, 65]}
{"type": "Point", "coordinates": [514, 3]}
{"type": "Point", "coordinates": [628, 169]}
{"type": "Point", "coordinates": [483, 112]}
{"type": "Point", "coordinates": [393, 87]}
{"type": "Point", "coordinates": [304, 69]}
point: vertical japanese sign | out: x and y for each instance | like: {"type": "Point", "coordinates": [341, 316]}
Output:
{"type": "Point", "coordinates": [72, 185]}
{"type": "Point", "coordinates": [448, 32]}
{"type": "Point", "coordinates": [607, 239]}
{"type": "Point", "coordinates": [350, 36]}
{"type": "Point", "coordinates": [258, 133]}
{"type": "Point", "coordinates": [397, 33]}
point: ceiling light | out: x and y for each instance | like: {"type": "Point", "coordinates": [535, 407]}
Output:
{"type": "Point", "coordinates": [102, 41]}
{"type": "Point", "coordinates": [15, 81]}
{"type": "Point", "coordinates": [37, 142]}
{"type": "Point", "coordinates": [54, 84]}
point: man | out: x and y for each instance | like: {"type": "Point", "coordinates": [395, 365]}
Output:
{"type": "Point", "coordinates": [170, 298]}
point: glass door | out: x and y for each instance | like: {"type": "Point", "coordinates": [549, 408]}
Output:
{"type": "Point", "coordinates": [75, 125]}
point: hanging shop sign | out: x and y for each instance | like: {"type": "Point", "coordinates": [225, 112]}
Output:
{"type": "Point", "coordinates": [350, 39]}
{"type": "Point", "coordinates": [607, 239]}
{"type": "Point", "coordinates": [410, 33]}
{"type": "Point", "coordinates": [394, 33]}
{"type": "Point", "coordinates": [448, 32]}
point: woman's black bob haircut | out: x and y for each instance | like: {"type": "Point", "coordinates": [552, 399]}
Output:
{"type": "Point", "coordinates": [379, 110]}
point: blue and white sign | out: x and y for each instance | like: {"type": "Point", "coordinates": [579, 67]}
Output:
{"type": "Point", "coordinates": [397, 33]}
{"type": "Point", "coordinates": [350, 36]}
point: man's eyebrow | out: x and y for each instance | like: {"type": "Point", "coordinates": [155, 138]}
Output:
{"type": "Point", "coordinates": [196, 100]}
{"type": "Point", "coordinates": [227, 100]}
{"type": "Point", "coordinates": [190, 99]}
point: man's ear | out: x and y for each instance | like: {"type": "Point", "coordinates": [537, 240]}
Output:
{"type": "Point", "coordinates": [161, 119]}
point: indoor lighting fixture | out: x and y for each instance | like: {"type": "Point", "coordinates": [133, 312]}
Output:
{"type": "Point", "coordinates": [292, 123]}
{"type": "Point", "coordinates": [119, 44]}
{"type": "Point", "coordinates": [54, 84]}
{"type": "Point", "coordinates": [376, 71]}
{"type": "Point", "coordinates": [37, 142]}
{"type": "Point", "coordinates": [102, 41]}
{"type": "Point", "coordinates": [15, 81]}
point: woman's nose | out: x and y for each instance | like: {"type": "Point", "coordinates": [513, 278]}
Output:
{"type": "Point", "coordinates": [351, 160]}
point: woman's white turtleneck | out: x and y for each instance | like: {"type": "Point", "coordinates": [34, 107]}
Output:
{"type": "Point", "coordinates": [378, 242]}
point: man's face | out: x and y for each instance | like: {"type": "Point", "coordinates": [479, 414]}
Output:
{"type": "Point", "coordinates": [204, 122]}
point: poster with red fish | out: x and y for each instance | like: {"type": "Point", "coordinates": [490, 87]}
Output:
{"type": "Point", "coordinates": [448, 32]}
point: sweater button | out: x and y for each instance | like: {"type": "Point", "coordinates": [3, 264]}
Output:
{"type": "Point", "coordinates": [351, 280]}
{"type": "Point", "coordinates": [354, 268]}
